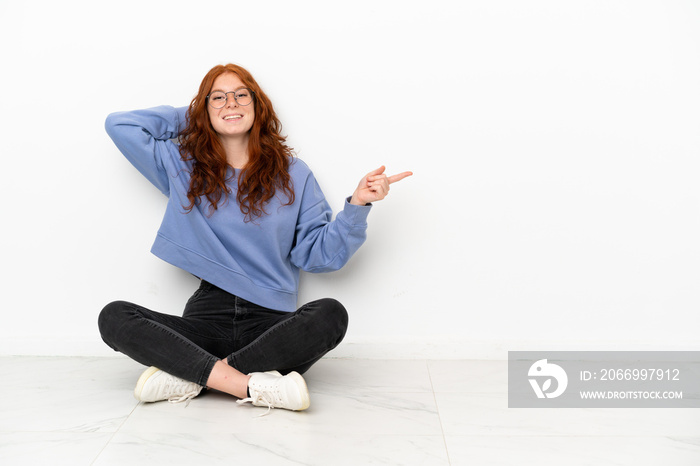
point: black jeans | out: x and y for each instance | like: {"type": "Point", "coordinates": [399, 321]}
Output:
{"type": "Point", "coordinates": [217, 325]}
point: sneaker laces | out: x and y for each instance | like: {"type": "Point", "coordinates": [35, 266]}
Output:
{"type": "Point", "coordinates": [178, 387]}
{"type": "Point", "coordinates": [259, 397]}
{"type": "Point", "coordinates": [187, 397]}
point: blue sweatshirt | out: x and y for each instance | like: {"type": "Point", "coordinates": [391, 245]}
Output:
{"type": "Point", "coordinates": [258, 261]}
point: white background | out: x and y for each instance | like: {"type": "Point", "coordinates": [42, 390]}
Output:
{"type": "Point", "coordinates": [555, 144]}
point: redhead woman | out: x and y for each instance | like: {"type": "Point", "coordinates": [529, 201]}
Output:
{"type": "Point", "coordinates": [244, 216]}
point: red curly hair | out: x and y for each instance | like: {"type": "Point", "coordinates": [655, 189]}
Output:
{"type": "Point", "coordinates": [268, 155]}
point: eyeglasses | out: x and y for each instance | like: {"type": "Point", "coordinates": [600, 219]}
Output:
{"type": "Point", "coordinates": [218, 99]}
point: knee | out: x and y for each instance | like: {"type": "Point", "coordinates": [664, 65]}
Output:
{"type": "Point", "coordinates": [110, 319]}
{"type": "Point", "coordinates": [336, 317]}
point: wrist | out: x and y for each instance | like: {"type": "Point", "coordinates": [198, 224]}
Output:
{"type": "Point", "coordinates": [355, 201]}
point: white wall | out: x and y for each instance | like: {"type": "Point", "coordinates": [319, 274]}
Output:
{"type": "Point", "coordinates": [555, 145]}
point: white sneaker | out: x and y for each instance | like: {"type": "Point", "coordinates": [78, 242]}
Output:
{"type": "Point", "coordinates": [156, 385]}
{"type": "Point", "coordinates": [273, 390]}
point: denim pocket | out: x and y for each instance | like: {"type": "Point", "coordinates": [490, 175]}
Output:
{"type": "Point", "coordinates": [204, 287]}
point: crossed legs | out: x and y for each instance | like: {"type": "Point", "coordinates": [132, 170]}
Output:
{"type": "Point", "coordinates": [220, 338]}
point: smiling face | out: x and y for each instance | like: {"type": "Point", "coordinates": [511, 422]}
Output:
{"type": "Point", "coordinates": [232, 120]}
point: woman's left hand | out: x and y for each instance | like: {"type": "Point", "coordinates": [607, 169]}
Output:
{"type": "Point", "coordinates": [375, 186]}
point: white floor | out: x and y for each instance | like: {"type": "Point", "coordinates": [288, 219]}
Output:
{"type": "Point", "coordinates": [81, 411]}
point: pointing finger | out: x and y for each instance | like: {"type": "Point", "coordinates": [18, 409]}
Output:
{"type": "Point", "coordinates": [399, 177]}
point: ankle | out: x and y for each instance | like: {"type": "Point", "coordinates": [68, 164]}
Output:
{"type": "Point", "coordinates": [227, 379]}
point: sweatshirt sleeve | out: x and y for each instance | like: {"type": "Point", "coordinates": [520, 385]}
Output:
{"type": "Point", "coordinates": [144, 137]}
{"type": "Point", "coordinates": [323, 245]}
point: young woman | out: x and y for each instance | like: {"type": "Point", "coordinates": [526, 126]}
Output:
{"type": "Point", "coordinates": [244, 216]}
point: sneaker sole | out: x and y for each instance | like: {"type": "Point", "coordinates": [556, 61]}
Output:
{"type": "Point", "coordinates": [299, 380]}
{"type": "Point", "coordinates": [142, 381]}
